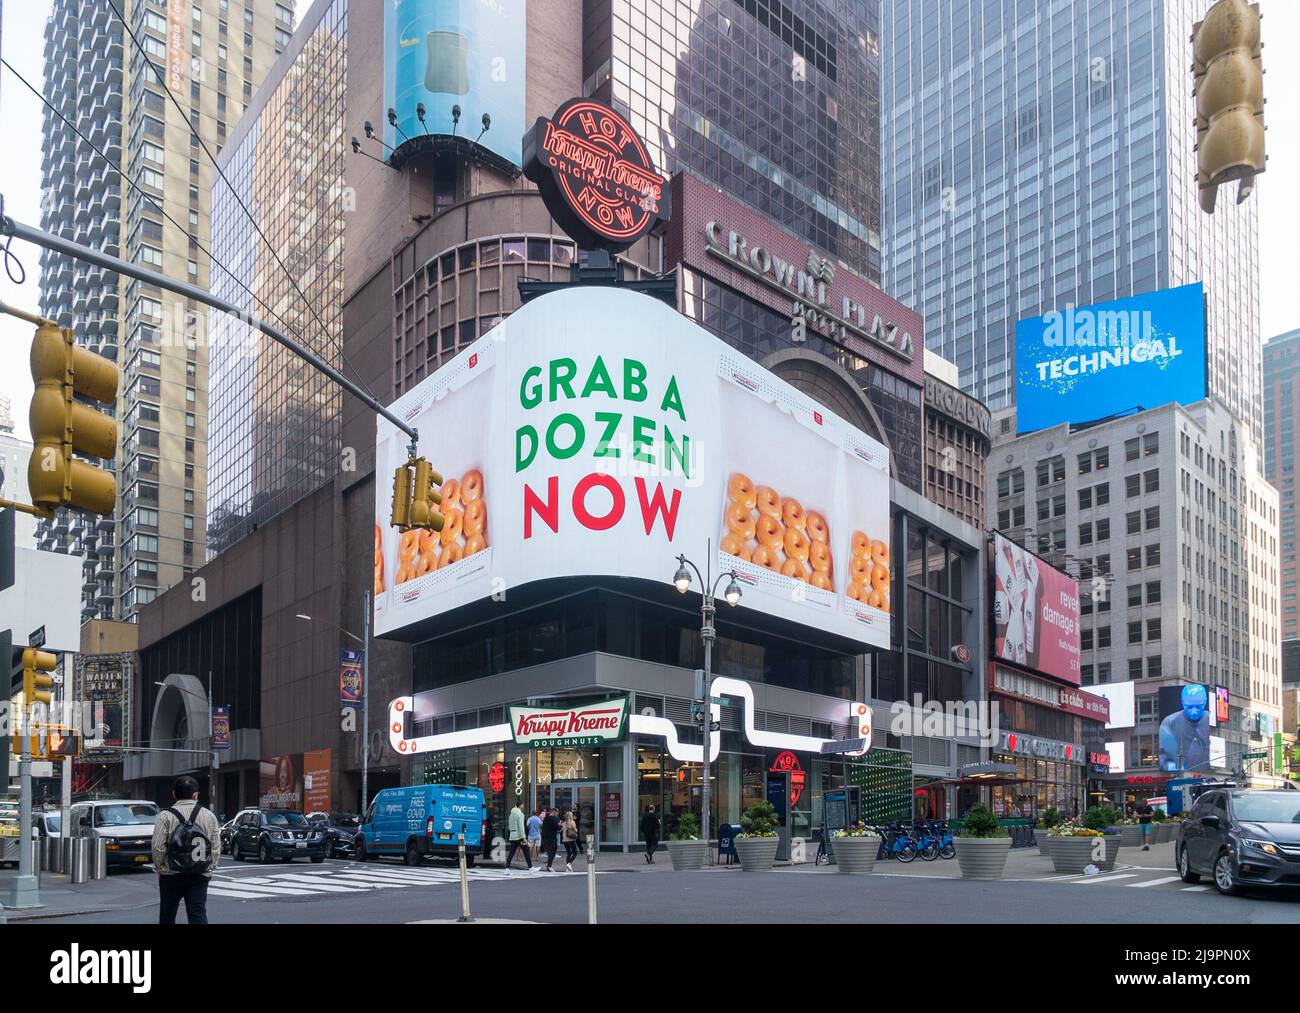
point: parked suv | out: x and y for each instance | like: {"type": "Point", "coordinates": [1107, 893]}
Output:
{"type": "Point", "coordinates": [1241, 838]}
{"type": "Point", "coordinates": [228, 830]}
{"type": "Point", "coordinates": [127, 824]}
{"type": "Point", "coordinates": [273, 835]}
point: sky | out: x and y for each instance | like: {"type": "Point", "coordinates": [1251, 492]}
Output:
{"type": "Point", "coordinates": [20, 179]}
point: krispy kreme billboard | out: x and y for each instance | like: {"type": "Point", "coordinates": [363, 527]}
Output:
{"type": "Point", "coordinates": [597, 432]}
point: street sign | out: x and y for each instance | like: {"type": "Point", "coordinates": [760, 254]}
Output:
{"type": "Point", "coordinates": [715, 726]}
{"type": "Point", "coordinates": [1253, 756]}
{"type": "Point", "coordinates": [37, 638]}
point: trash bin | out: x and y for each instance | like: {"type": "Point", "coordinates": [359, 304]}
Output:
{"type": "Point", "coordinates": [79, 871]}
{"type": "Point", "coordinates": [98, 858]}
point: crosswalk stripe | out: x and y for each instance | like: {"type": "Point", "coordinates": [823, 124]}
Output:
{"type": "Point", "coordinates": [1194, 889]}
{"type": "Point", "coordinates": [320, 883]}
{"type": "Point", "coordinates": [1094, 880]}
{"type": "Point", "coordinates": [218, 891]}
{"type": "Point", "coordinates": [374, 884]}
{"type": "Point", "coordinates": [269, 891]}
{"type": "Point", "coordinates": [1156, 882]}
{"type": "Point", "coordinates": [394, 877]}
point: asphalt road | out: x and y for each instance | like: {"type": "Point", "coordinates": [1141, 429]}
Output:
{"type": "Point", "coordinates": [341, 892]}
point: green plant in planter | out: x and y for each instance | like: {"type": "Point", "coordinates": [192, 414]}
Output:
{"type": "Point", "coordinates": [1098, 817]}
{"type": "Point", "coordinates": [688, 828]}
{"type": "Point", "coordinates": [979, 821]}
{"type": "Point", "coordinates": [759, 820]}
{"type": "Point", "coordinates": [1052, 818]}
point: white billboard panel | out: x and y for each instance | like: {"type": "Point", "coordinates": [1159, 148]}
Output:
{"type": "Point", "coordinates": [1123, 708]}
{"type": "Point", "coordinates": [598, 432]}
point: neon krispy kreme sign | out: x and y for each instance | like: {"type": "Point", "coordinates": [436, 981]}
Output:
{"type": "Point", "coordinates": [595, 175]}
{"type": "Point", "coordinates": [811, 286]}
{"type": "Point", "coordinates": [591, 724]}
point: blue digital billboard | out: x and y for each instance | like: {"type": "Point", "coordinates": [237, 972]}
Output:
{"type": "Point", "coordinates": [456, 53]}
{"type": "Point", "coordinates": [1091, 362]}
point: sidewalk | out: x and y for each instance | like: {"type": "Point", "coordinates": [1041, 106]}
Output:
{"type": "Point", "coordinates": [60, 899]}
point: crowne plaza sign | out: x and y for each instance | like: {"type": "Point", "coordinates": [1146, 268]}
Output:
{"type": "Point", "coordinates": [587, 725]}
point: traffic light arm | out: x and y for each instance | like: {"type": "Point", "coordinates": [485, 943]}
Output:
{"type": "Point", "coordinates": [9, 227]}
{"type": "Point", "coordinates": [26, 508]}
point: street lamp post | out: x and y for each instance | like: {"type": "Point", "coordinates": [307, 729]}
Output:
{"type": "Point", "coordinates": [365, 689]}
{"type": "Point", "coordinates": [708, 633]}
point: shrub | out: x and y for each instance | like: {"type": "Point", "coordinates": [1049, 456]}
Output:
{"type": "Point", "coordinates": [759, 820]}
{"type": "Point", "coordinates": [979, 821]}
{"type": "Point", "coordinates": [1098, 817]}
{"type": "Point", "coordinates": [688, 828]}
{"type": "Point", "coordinates": [1052, 818]}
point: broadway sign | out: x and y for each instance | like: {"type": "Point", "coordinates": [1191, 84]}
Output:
{"type": "Point", "coordinates": [589, 725]}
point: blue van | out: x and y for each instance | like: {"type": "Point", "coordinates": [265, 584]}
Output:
{"type": "Point", "coordinates": [422, 820]}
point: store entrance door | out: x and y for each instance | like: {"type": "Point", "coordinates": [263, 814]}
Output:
{"type": "Point", "coordinates": [582, 799]}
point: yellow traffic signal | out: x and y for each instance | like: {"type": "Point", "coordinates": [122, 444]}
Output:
{"type": "Point", "coordinates": [1229, 88]}
{"type": "Point", "coordinates": [61, 424]}
{"type": "Point", "coordinates": [37, 686]}
{"type": "Point", "coordinates": [402, 497]}
{"type": "Point", "coordinates": [416, 496]}
{"type": "Point", "coordinates": [425, 497]}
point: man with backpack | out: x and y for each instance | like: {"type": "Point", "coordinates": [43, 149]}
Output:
{"type": "Point", "coordinates": [186, 849]}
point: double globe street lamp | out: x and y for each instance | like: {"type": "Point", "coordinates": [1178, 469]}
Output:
{"type": "Point", "coordinates": [708, 634]}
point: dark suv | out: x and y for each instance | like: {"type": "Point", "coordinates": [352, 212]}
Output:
{"type": "Point", "coordinates": [1241, 838]}
{"type": "Point", "coordinates": [271, 835]}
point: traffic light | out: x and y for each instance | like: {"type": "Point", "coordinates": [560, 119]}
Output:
{"type": "Point", "coordinates": [1229, 89]}
{"type": "Point", "coordinates": [37, 686]}
{"type": "Point", "coordinates": [425, 498]}
{"type": "Point", "coordinates": [416, 496]}
{"type": "Point", "coordinates": [402, 497]}
{"type": "Point", "coordinates": [61, 741]}
{"type": "Point", "coordinates": [61, 424]}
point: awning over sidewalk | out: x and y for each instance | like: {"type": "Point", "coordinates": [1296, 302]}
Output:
{"type": "Point", "coordinates": [986, 773]}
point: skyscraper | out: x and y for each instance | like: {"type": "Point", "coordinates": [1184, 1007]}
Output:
{"type": "Point", "coordinates": [1037, 156]}
{"type": "Point", "coordinates": [213, 54]}
{"type": "Point", "coordinates": [1281, 395]}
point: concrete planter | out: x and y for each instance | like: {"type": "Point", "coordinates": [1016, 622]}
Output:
{"type": "Point", "coordinates": [1072, 855]}
{"type": "Point", "coordinates": [756, 853]}
{"type": "Point", "coordinates": [1045, 841]}
{"type": "Point", "coordinates": [1164, 832]}
{"type": "Point", "coordinates": [688, 856]}
{"type": "Point", "coordinates": [856, 855]}
{"type": "Point", "coordinates": [982, 857]}
{"type": "Point", "coordinates": [1130, 836]}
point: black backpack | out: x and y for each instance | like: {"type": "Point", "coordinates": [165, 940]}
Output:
{"type": "Point", "coordinates": [188, 849]}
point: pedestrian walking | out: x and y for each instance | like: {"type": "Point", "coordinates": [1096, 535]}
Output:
{"type": "Point", "coordinates": [517, 832]}
{"type": "Point", "coordinates": [569, 834]}
{"type": "Point", "coordinates": [650, 831]}
{"type": "Point", "coordinates": [550, 836]}
{"type": "Point", "coordinates": [535, 834]}
{"type": "Point", "coordinates": [185, 854]}
{"type": "Point", "coordinates": [1144, 814]}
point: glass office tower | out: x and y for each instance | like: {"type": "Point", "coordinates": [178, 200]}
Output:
{"type": "Point", "coordinates": [1039, 155]}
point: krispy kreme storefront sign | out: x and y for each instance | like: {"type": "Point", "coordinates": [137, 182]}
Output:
{"type": "Point", "coordinates": [589, 725]}
{"type": "Point", "coordinates": [1045, 749]}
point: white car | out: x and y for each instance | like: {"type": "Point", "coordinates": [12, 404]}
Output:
{"type": "Point", "coordinates": [127, 824]}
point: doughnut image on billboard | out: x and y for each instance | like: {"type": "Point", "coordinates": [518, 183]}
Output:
{"type": "Point", "coordinates": [1035, 613]}
{"type": "Point", "coordinates": [598, 432]}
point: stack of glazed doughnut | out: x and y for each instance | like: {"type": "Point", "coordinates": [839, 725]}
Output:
{"type": "Point", "coordinates": [464, 530]}
{"type": "Point", "coordinates": [777, 533]}
{"type": "Point", "coordinates": [869, 571]}
{"type": "Point", "coordinates": [379, 560]}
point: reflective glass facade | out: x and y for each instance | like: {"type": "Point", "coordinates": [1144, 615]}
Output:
{"type": "Point", "coordinates": [1037, 156]}
{"type": "Point", "coordinates": [275, 419]}
{"type": "Point", "coordinates": [775, 101]}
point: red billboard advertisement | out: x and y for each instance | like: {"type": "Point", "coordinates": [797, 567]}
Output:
{"type": "Point", "coordinates": [1035, 613]}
